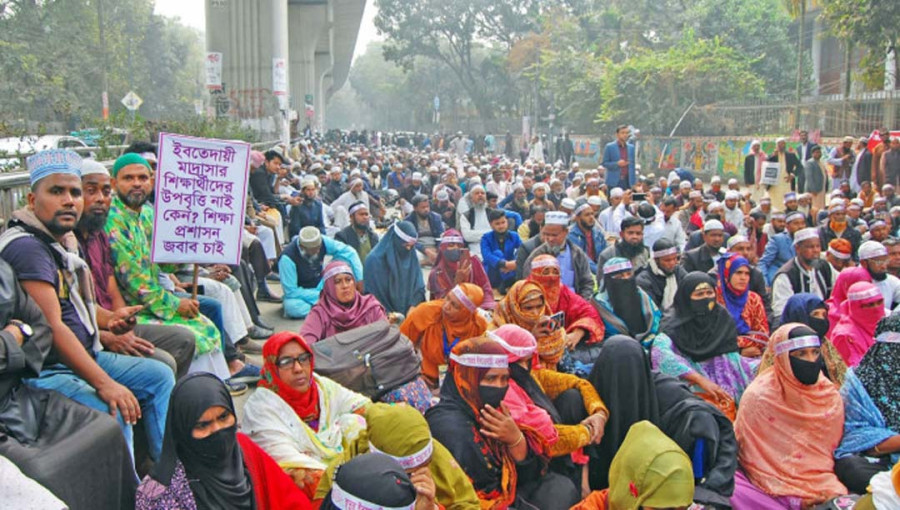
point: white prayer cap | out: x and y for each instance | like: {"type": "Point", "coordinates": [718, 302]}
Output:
{"type": "Point", "coordinates": [695, 194]}
{"type": "Point", "coordinates": [732, 181]}
{"type": "Point", "coordinates": [781, 139]}
{"type": "Point", "coordinates": [685, 185]}
{"type": "Point", "coordinates": [732, 195]}
{"type": "Point", "coordinates": [417, 176]}
{"type": "Point", "coordinates": [736, 239]}
{"type": "Point", "coordinates": [556, 218]}
{"type": "Point", "coordinates": [307, 182]}
{"type": "Point", "coordinates": [715, 205]}
{"type": "Point", "coordinates": [715, 179]}
{"type": "Point", "coordinates": [92, 167]}
{"type": "Point", "coordinates": [442, 196]}
{"type": "Point", "coordinates": [805, 234]}
{"type": "Point", "coordinates": [713, 225]}
{"type": "Point", "coordinates": [567, 203]}
{"type": "Point", "coordinates": [355, 172]}
{"type": "Point", "coordinates": [871, 250]}
{"type": "Point", "coordinates": [310, 237]}
{"type": "Point", "coordinates": [595, 200]}
{"type": "Point", "coordinates": [616, 193]}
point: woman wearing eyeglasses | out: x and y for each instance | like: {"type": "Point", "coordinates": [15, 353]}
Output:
{"type": "Point", "coordinates": [298, 417]}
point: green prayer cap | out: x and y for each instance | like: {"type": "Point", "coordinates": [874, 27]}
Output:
{"type": "Point", "coordinates": [132, 158]}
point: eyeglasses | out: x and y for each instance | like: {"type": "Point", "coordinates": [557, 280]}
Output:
{"type": "Point", "coordinates": [288, 362]}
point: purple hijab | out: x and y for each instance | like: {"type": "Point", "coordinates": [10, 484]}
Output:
{"type": "Point", "coordinates": [329, 317]}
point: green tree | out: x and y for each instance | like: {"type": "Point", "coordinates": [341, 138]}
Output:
{"type": "Point", "coordinates": [873, 25]}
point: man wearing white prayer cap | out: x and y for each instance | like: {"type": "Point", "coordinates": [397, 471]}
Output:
{"type": "Point", "coordinates": [873, 256]}
{"type": "Point", "coordinates": [605, 218]}
{"type": "Point", "coordinates": [733, 213]}
{"type": "Point", "coordinates": [803, 273]}
{"type": "Point", "coordinates": [704, 257]}
{"type": "Point", "coordinates": [574, 266]}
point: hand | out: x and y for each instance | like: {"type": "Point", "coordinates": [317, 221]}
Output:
{"type": "Point", "coordinates": [622, 163]}
{"type": "Point", "coordinates": [714, 390]}
{"type": "Point", "coordinates": [464, 271]}
{"type": "Point", "coordinates": [120, 399]}
{"type": "Point", "coordinates": [627, 197]}
{"type": "Point", "coordinates": [16, 333]}
{"type": "Point", "coordinates": [128, 344]}
{"type": "Point", "coordinates": [499, 425]}
{"type": "Point", "coordinates": [425, 488]}
{"type": "Point", "coordinates": [188, 308]}
{"type": "Point", "coordinates": [597, 425]}
{"type": "Point", "coordinates": [123, 319]}
{"type": "Point", "coordinates": [510, 265]}
{"type": "Point", "coordinates": [542, 328]}
{"type": "Point", "coordinates": [573, 338]}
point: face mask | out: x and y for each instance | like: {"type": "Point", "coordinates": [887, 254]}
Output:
{"type": "Point", "coordinates": [452, 255]}
{"type": "Point", "coordinates": [216, 446]}
{"type": "Point", "coordinates": [807, 372]}
{"type": "Point", "coordinates": [820, 326]}
{"type": "Point", "coordinates": [702, 306]}
{"type": "Point", "coordinates": [491, 395]}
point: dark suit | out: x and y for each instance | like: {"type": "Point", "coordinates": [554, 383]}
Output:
{"type": "Point", "coordinates": [698, 259]}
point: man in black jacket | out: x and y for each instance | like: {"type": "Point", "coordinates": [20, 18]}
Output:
{"type": "Point", "coordinates": [704, 258]}
{"type": "Point", "coordinates": [791, 162]}
{"type": "Point", "coordinates": [262, 180]}
{"type": "Point", "coordinates": [359, 234]}
{"type": "Point", "coordinates": [660, 278]}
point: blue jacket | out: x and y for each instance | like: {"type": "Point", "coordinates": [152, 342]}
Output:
{"type": "Point", "coordinates": [578, 239]}
{"type": "Point", "coordinates": [435, 224]}
{"type": "Point", "coordinates": [492, 256]}
{"type": "Point", "coordinates": [779, 250]}
{"type": "Point", "coordinates": [610, 161]}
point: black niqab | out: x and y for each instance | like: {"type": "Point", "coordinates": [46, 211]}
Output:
{"type": "Point", "coordinates": [213, 465]}
{"type": "Point", "coordinates": [626, 302]}
{"type": "Point", "coordinates": [699, 337]}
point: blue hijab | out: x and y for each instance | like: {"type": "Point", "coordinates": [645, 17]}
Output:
{"type": "Point", "coordinates": [799, 306]}
{"type": "Point", "coordinates": [392, 272]}
{"type": "Point", "coordinates": [734, 301]}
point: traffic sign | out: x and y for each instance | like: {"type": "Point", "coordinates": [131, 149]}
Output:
{"type": "Point", "coordinates": [132, 101]}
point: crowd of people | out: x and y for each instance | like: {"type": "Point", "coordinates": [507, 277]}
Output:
{"type": "Point", "coordinates": [585, 338]}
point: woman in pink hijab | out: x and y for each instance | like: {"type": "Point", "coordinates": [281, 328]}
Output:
{"type": "Point", "coordinates": [860, 313]}
{"type": "Point", "coordinates": [340, 307]}
{"type": "Point", "coordinates": [842, 284]}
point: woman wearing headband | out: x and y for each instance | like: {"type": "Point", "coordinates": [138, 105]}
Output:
{"type": "Point", "coordinates": [625, 308]}
{"type": "Point", "coordinates": [854, 333]}
{"type": "Point", "coordinates": [788, 425]}
{"type": "Point", "coordinates": [375, 481]}
{"type": "Point", "coordinates": [436, 326]}
{"type": "Point", "coordinates": [582, 322]}
{"type": "Point", "coordinates": [393, 274]}
{"type": "Point", "coordinates": [525, 305]}
{"type": "Point", "coordinates": [451, 269]}
{"type": "Point", "coordinates": [505, 462]}
{"type": "Point", "coordinates": [340, 307]}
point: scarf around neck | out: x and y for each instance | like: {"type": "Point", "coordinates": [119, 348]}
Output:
{"type": "Point", "coordinates": [671, 284]}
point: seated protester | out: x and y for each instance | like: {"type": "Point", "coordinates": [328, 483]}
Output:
{"type": "Point", "coordinates": [629, 246]}
{"type": "Point", "coordinates": [358, 234]}
{"type": "Point", "coordinates": [780, 247]}
{"type": "Point", "coordinates": [394, 274]}
{"type": "Point", "coordinates": [789, 409]}
{"type": "Point", "coordinates": [444, 207]}
{"type": "Point", "coordinates": [505, 462]}
{"type": "Point", "coordinates": [563, 408]}
{"type": "Point", "coordinates": [625, 308]}
{"type": "Point", "coordinates": [525, 305]}
{"type": "Point", "coordinates": [806, 272]}
{"type": "Point", "coordinates": [519, 202]}
{"type": "Point", "coordinates": [414, 188]}
{"type": "Point", "coordinates": [300, 269]}
{"type": "Point", "coordinates": [659, 474]}
{"type": "Point", "coordinates": [355, 192]}
{"type": "Point", "coordinates": [874, 257]}
{"type": "Point", "coordinates": [340, 306]}
{"type": "Point", "coordinates": [261, 180]}
{"type": "Point", "coordinates": [704, 258]}
{"type": "Point", "coordinates": [870, 392]}
{"type": "Point", "coordinates": [297, 416]}
{"type": "Point", "coordinates": [524, 252]}
{"type": "Point", "coordinates": [532, 227]}
{"type": "Point", "coordinates": [173, 345]}
{"type": "Point", "coordinates": [308, 212]}
{"type": "Point", "coordinates": [700, 345]}
{"type": "Point", "coordinates": [450, 269]}
{"type": "Point", "coordinates": [377, 481]}
{"type": "Point", "coordinates": [740, 245]}
{"type": "Point", "coordinates": [472, 218]}
{"type": "Point", "coordinates": [839, 294]}
{"type": "Point", "coordinates": [434, 327]}
{"type": "Point", "coordinates": [207, 463]}
{"type": "Point", "coordinates": [130, 228]}
{"type": "Point", "coordinates": [837, 227]}
{"type": "Point", "coordinates": [582, 323]}
{"type": "Point", "coordinates": [42, 250]}
{"type": "Point", "coordinates": [839, 255]}
{"type": "Point", "coordinates": [77, 453]}
{"type": "Point", "coordinates": [401, 433]}
{"type": "Point", "coordinates": [661, 277]}
{"type": "Point", "coordinates": [854, 333]}
{"type": "Point", "coordinates": [587, 234]}
{"type": "Point", "coordinates": [540, 191]}
{"type": "Point", "coordinates": [514, 218]}
{"type": "Point", "coordinates": [574, 266]}
{"type": "Point", "coordinates": [745, 306]}
{"type": "Point", "coordinates": [428, 227]}
{"type": "Point", "coordinates": [498, 250]}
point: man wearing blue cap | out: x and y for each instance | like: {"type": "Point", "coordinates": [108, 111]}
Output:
{"type": "Point", "coordinates": [43, 251]}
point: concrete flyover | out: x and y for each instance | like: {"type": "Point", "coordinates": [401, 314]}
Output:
{"type": "Point", "coordinates": [315, 38]}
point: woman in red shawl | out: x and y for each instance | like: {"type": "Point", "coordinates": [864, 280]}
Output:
{"type": "Point", "coordinates": [449, 270]}
{"type": "Point", "coordinates": [506, 462]}
{"type": "Point", "coordinates": [583, 323]}
{"type": "Point", "coordinates": [340, 307]}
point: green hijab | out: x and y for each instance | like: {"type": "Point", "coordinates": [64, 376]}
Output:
{"type": "Point", "coordinates": [650, 470]}
{"type": "Point", "coordinates": [400, 431]}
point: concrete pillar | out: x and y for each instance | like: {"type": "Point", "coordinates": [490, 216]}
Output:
{"type": "Point", "coordinates": [279, 30]}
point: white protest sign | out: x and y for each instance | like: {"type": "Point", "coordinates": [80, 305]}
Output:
{"type": "Point", "coordinates": [279, 76]}
{"type": "Point", "coordinates": [214, 71]}
{"type": "Point", "coordinates": [770, 171]}
{"type": "Point", "coordinates": [201, 195]}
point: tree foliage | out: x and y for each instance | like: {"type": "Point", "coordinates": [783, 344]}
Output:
{"type": "Point", "coordinates": [873, 25]}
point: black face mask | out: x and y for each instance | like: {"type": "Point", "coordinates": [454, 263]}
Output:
{"type": "Point", "coordinates": [216, 446]}
{"type": "Point", "coordinates": [807, 372]}
{"type": "Point", "coordinates": [820, 326]}
{"type": "Point", "coordinates": [452, 255]}
{"type": "Point", "coordinates": [491, 395]}
{"type": "Point", "coordinates": [702, 306]}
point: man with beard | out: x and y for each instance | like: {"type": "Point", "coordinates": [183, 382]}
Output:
{"type": "Point", "coordinates": [630, 246]}
{"type": "Point", "coordinates": [498, 251]}
{"type": "Point", "coordinates": [359, 234]}
{"type": "Point", "coordinates": [43, 252]}
{"type": "Point", "coordinates": [473, 222]}
{"type": "Point", "coordinates": [875, 258]}
{"type": "Point", "coordinates": [415, 187]}
{"type": "Point", "coordinates": [842, 160]}
{"type": "Point", "coordinates": [662, 275]}
{"type": "Point", "coordinates": [704, 258]}
{"type": "Point", "coordinates": [839, 254]}
{"type": "Point", "coordinates": [682, 193]}
{"type": "Point", "coordinates": [803, 273]}
{"type": "Point", "coordinates": [540, 199]}
{"type": "Point", "coordinates": [587, 234]}
{"type": "Point", "coordinates": [789, 166]}
{"type": "Point", "coordinates": [765, 207]}
{"type": "Point", "coordinates": [574, 266]}
{"type": "Point", "coordinates": [780, 247]}
{"type": "Point", "coordinates": [519, 202]}
{"type": "Point", "coordinates": [356, 192]}
{"type": "Point", "coordinates": [309, 212]}
{"type": "Point", "coordinates": [334, 188]}
{"type": "Point", "coordinates": [172, 345]}
{"type": "Point", "coordinates": [687, 212]}
{"type": "Point", "coordinates": [878, 231]}
{"type": "Point", "coordinates": [672, 229]}
{"type": "Point", "coordinates": [429, 226]}
{"type": "Point", "coordinates": [837, 228]}
{"type": "Point", "coordinates": [893, 247]}
{"type": "Point", "coordinates": [445, 208]}
{"type": "Point", "coordinates": [605, 218]}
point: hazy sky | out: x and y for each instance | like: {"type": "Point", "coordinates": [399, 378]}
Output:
{"type": "Point", "coordinates": [193, 12]}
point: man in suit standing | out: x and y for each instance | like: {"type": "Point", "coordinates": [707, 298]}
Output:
{"type": "Point", "coordinates": [618, 159]}
{"type": "Point", "coordinates": [804, 153]}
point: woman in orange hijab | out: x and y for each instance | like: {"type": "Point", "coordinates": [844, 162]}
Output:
{"type": "Point", "coordinates": [790, 421]}
{"type": "Point", "coordinates": [583, 323]}
{"type": "Point", "coordinates": [434, 327]}
{"type": "Point", "coordinates": [525, 305]}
